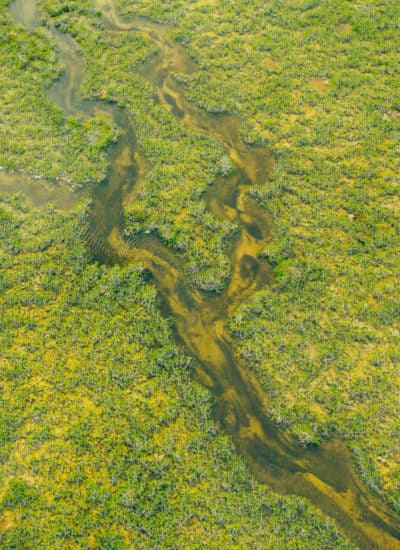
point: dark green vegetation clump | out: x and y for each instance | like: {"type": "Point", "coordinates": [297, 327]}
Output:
{"type": "Point", "coordinates": [318, 83]}
{"type": "Point", "coordinates": [105, 440]}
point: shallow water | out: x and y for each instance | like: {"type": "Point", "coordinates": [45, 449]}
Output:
{"type": "Point", "coordinates": [325, 475]}
{"type": "Point", "coordinates": [38, 193]}
{"type": "Point", "coordinates": [24, 12]}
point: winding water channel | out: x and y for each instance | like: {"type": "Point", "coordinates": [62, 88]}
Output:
{"type": "Point", "coordinates": [324, 475]}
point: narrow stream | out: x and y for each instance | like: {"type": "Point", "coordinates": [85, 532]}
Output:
{"type": "Point", "coordinates": [324, 475]}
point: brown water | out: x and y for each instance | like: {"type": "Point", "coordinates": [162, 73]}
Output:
{"type": "Point", "coordinates": [325, 475]}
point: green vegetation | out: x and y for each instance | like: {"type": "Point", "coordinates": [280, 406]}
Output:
{"type": "Point", "coordinates": [317, 81]}
{"type": "Point", "coordinates": [105, 440]}
{"type": "Point", "coordinates": [180, 163]}
{"type": "Point", "coordinates": [75, 150]}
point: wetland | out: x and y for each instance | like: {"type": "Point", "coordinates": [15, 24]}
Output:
{"type": "Point", "coordinates": [324, 474]}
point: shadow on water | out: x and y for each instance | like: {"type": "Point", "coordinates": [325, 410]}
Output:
{"type": "Point", "coordinates": [325, 474]}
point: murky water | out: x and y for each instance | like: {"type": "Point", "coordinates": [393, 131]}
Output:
{"type": "Point", "coordinates": [37, 192]}
{"type": "Point", "coordinates": [324, 475]}
{"type": "Point", "coordinates": [24, 12]}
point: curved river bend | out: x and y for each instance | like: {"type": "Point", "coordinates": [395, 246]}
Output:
{"type": "Point", "coordinates": [324, 475]}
